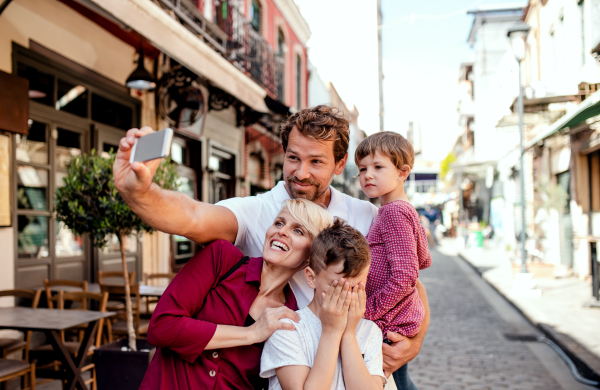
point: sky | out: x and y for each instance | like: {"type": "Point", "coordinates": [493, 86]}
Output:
{"type": "Point", "coordinates": [424, 43]}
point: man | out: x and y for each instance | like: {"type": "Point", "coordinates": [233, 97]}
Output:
{"type": "Point", "coordinates": [315, 142]}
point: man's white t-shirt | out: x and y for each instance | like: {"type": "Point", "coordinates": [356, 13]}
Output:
{"type": "Point", "coordinates": [299, 348]}
{"type": "Point", "coordinates": [255, 214]}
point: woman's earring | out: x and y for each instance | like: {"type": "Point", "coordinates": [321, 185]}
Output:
{"type": "Point", "coordinates": [398, 179]}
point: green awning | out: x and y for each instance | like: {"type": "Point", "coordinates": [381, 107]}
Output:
{"type": "Point", "coordinates": [589, 108]}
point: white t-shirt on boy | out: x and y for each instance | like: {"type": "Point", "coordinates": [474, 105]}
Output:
{"type": "Point", "coordinates": [299, 348]}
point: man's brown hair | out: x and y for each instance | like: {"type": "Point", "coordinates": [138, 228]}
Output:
{"type": "Point", "coordinates": [389, 144]}
{"type": "Point", "coordinates": [340, 242]}
{"type": "Point", "coordinates": [322, 123]}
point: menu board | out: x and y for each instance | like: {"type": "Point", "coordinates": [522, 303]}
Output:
{"type": "Point", "coordinates": [5, 219]}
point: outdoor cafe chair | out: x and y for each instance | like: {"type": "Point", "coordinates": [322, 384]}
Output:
{"type": "Point", "coordinates": [11, 345]}
{"type": "Point", "coordinates": [119, 326]}
{"type": "Point", "coordinates": [149, 277]}
{"type": "Point", "coordinates": [114, 278]}
{"type": "Point", "coordinates": [96, 302]}
{"type": "Point", "coordinates": [11, 369]}
{"type": "Point", "coordinates": [51, 286]}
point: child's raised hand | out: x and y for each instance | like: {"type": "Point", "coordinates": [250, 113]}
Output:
{"type": "Point", "coordinates": [334, 307]}
{"type": "Point", "coordinates": [357, 309]}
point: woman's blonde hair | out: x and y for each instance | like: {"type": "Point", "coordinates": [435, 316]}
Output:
{"type": "Point", "coordinates": [312, 216]}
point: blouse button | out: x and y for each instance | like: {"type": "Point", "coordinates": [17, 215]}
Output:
{"type": "Point", "coordinates": [215, 354]}
{"type": "Point", "coordinates": [212, 373]}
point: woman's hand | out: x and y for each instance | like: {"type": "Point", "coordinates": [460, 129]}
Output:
{"type": "Point", "coordinates": [357, 309]}
{"type": "Point", "coordinates": [335, 306]}
{"type": "Point", "coordinates": [268, 322]}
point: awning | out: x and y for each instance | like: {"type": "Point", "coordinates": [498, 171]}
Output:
{"type": "Point", "coordinates": [171, 37]}
{"type": "Point", "coordinates": [590, 107]}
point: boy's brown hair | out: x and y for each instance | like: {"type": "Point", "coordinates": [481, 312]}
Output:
{"type": "Point", "coordinates": [340, 242]}
{"type": "Point", "coordinates": [322, 123]}
{"type": "Point", "coordinates": [390, 144]}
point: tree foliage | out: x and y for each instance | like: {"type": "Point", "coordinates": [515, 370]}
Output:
{"type": "Point", "coordinates": [89, 203]}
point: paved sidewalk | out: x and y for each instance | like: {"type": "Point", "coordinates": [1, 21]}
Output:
{"type": "Point", "coordinates": [559, 310]}
{"type": "Point", "coordinates": [465, 347]}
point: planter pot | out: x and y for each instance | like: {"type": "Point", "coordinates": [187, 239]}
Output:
{"type": "Point", "coordinates": [117, 369]}
{"type": "Point", "coordinates": [539, 270]}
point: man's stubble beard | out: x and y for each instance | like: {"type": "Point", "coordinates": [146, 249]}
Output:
{"type": "Point", "coordinates": [312, 195]}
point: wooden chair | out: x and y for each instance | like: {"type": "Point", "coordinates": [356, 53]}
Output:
{"type": "Point", "coordinates": [119, 326]}
{"type": "Point", "coordinates": [114, 278]}
{"type": "Point", "coordinates": [51, 285]}
{"type": "Point", "coordinates": [96, 302]}
{"type": "Point", "coordinates": [7, 345]}
{"type": "Point", "coordinates": [148, 278]}
{"type": "Point", "coordinates": [11, 369]}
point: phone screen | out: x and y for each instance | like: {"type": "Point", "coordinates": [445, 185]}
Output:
{"type": "Point", "coordinates": [152, 146]}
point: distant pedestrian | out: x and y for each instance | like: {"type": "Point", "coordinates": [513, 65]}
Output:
{"type": "Point", "coordinates": [397, 241]}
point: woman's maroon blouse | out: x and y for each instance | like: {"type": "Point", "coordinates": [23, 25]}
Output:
{"type": "Point", "coordinates": [186, 318]}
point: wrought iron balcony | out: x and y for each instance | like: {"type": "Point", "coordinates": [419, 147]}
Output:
{"type": "Point", "coordinates": [233, 36]}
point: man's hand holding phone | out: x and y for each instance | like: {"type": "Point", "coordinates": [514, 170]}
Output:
{"type": "Point", "coordinates": [135, 178]}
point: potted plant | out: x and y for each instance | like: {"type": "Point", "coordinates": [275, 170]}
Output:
{"type": "Point", "coordinates": [89, 203]}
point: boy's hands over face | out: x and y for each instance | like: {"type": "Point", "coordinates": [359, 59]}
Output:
{"type": "Point", "coordinates": [357, 309]}
{"type": "Point", "coordinates": [335, 306]}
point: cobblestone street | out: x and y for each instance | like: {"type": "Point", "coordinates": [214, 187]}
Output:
{"type": "Point", "coordinates": [465, 347]}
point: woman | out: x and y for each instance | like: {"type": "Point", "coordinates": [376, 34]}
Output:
{"type": "Point", "coordinates": [210, 324]}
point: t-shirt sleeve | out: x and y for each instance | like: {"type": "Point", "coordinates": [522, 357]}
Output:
{"type": "Point", "coordinates": [283, 348]}
{"type": "Point", "coordinates": [373, 352]}
{"type": "Point", "coordinates": [246, 210]}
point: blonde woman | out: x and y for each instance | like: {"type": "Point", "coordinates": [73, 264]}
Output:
{"type": "Point", "coordinates": [210, 325]}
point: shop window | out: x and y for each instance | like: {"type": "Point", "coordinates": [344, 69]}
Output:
{"type": "Point", "coordinates": [33, 148]}
{"type": "Point", "coordinates": [32, 188]}
{"type": "Point", "coordinates": [32, 237]}
{"type": "Point", "coordinates": [41, 85]}
{"type": "Point", "coordinates": [111, 113]}
{"type": "Point", "coordinates": [72, 98]}
{"type": "Point", "coordinates": [222, 169]}
{"type": "Point", "coordinates": [255, 10]}
{"type": "Point", "coordinates": [66, 243]}
{"type": "Point", "coordinates": [68, 145]}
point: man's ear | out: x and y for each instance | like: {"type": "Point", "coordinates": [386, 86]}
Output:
{"type": "Point", "coordinates": [339, 166]}
{"type": "Point", "coordinates": [310, 277]}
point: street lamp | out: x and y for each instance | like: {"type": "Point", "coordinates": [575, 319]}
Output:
{"type": "Point", "coordinates": [518, 35]}
{"type": "Point", "coordinates": [140, 78]}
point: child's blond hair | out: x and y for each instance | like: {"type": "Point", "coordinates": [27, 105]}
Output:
{"type": "Point", "coordinates": [389, 144]}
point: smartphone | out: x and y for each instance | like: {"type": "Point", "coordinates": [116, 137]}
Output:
{"type": "Point", "coordinates": [152, 146]}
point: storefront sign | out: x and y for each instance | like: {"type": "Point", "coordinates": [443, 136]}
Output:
{"type": "Point", "coordinates": [14, 101]}
{"type": "Point", "coordinates": [5, 218]}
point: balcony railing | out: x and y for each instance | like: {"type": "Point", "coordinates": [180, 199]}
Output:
{"type": "Point", "coordinates": [234, 38]}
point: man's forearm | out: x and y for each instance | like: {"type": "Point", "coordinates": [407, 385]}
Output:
{"type": "Point", "coordinates": [173, 212]}
{"type": "Point", "coordinates": [425, 323]}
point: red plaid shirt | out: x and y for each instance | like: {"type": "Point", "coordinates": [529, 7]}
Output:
{"type": "Point", "coordinates": [398, 251]}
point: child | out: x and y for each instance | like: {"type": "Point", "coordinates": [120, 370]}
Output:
{"type": "Point", "coordinates": [333, 347]}
{"type": "Point", "coordinates": [396, 238]}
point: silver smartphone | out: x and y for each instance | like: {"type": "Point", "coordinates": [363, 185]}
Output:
{"type": "Point", "coordinates": [152, 146]}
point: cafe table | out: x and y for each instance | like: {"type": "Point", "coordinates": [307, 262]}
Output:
{"type": "Point", "coordinates": [51, 322]}
{"type": "Point", "coordinates": [145, 290]}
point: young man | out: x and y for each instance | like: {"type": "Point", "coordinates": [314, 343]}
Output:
{"type": "Point", "coordinates": [315, 142]}
{"type": "Point", "coordinates": [333, 346]}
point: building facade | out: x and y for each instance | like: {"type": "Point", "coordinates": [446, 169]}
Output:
{"type": "Point", "coordinates": [227, 73]}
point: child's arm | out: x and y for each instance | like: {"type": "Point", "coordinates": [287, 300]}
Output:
{"type": "Point", "coordinates": [356, 374]}
{"type": "Point", "coordinates": [401, 254]}
{"type": "Point", "coordinates": [333, 315]}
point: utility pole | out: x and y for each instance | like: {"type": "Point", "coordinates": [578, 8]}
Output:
{"type": "Point", "coordinates": [380, 59]}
